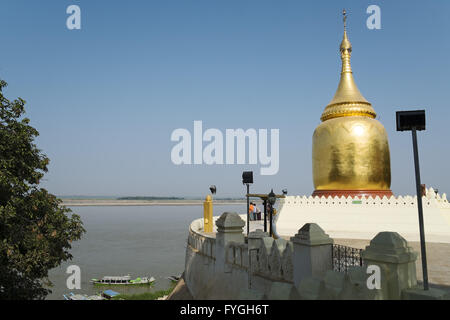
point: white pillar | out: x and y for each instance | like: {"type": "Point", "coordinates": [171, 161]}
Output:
{"type": "Point", "coordinates": [312, 253]}
{"type": "Point", "coordinates": [229, 228]}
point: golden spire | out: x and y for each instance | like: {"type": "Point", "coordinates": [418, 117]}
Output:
{"type": "Point", "coordinates": [347, 101]}
{"type": "Point", "coordinates": [344, 13]}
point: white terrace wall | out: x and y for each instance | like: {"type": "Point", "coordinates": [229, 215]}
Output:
{"type": "Point", "coordinates": [223, 265]}
{"type": "Point", "coordinates": [355, 218]}
{"type": "Point", "coordinates": [217, 264]}
{"type": "Point", "coordinates": [205, 269]}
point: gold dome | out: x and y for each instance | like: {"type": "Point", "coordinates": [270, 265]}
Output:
{"type": "Point", "coordinates": [350, 148]}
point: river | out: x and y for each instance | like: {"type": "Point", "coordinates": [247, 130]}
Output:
{"type": "Point", "coordinates": [135, 240]}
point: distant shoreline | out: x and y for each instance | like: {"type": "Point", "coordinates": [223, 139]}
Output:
{"type": "Point", "coordinates": [114, 202]}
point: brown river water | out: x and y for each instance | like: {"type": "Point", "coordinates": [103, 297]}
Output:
{"type": "Point", "coordinates": [136, 240]}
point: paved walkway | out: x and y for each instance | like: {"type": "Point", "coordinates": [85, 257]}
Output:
{"type": "Point", "coordinates": [259, 224]}
{"type": "Point", "coordinates": [438, 259]}
{"type": "Point", "coordinates": [438, 256]}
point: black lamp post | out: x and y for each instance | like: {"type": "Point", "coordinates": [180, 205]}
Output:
{"type": "Point", "coordinates": [247, 178]}
{"type": "Point", "coordinates": [415, 121]}
{"type": "Point", "coordinates": [271, 198]}
{"type": "Point", "coordinates": [265, 214]}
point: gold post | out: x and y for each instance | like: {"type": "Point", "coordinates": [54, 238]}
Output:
{"type": "Point", "coordinates": [208, 214]}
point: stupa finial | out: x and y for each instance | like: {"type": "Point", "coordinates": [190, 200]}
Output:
{"type": "Point", "coordinates": [346, 47]}
{"type": "Point", "coordinates": [344, 13]}
{"type": "Point", "coordinates": [347, 101]}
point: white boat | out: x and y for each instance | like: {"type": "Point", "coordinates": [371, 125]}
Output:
{"type": "Point", "coordinates": [123, 280]}
{"type": "Point", "coordinates": [73, 296]}
{"type": "Point", "coordinates": [174, 278]}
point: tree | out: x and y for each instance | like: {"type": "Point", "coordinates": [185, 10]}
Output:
{"type": "Point", "coordinates": [36, 232]}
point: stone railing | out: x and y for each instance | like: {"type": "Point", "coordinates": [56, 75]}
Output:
{"type": "Point", "coordinates": [271, 259]}
{"type": "Point", "coordinates": [237, 255]}
{"type": "Point", "coordinates": [228, 265]}
{"type": "Point", "coordinates": [199, 241]}
{"type": "Point", "coordinates": [256, 262]}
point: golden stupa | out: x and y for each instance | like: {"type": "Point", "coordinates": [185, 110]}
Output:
{"type": "Point", "coordinates": [350, 147]}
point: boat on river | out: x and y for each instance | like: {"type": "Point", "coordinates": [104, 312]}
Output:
{"type": "Point", "coordinates": [174, 278]}
{"type": "Point", "coordinates": [73, 296]}
{"type": "Point", "coordinates": [123, 280]}
{"type": "Point", "coordinates": [105, 295]}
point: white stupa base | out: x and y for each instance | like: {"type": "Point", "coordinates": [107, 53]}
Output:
{"type": "Point", "coordinates": [355, 218]}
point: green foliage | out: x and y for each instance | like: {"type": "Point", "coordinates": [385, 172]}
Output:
{"type": "Point", "coordinates": [35, 231]}
{"type": "Point", "coordinates": [146, 295]}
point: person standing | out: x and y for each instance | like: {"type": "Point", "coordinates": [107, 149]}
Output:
{"type": "Point", "coordinates": [251, 209]}
{"type": "Point", "coordinates": [257, 212]}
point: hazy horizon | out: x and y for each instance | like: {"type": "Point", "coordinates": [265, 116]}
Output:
{"type": "Point", "coordinates": [139, 196]}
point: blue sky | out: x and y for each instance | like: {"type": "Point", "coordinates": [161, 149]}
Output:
{"type": "Point", "coordinates": [106, 98]}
